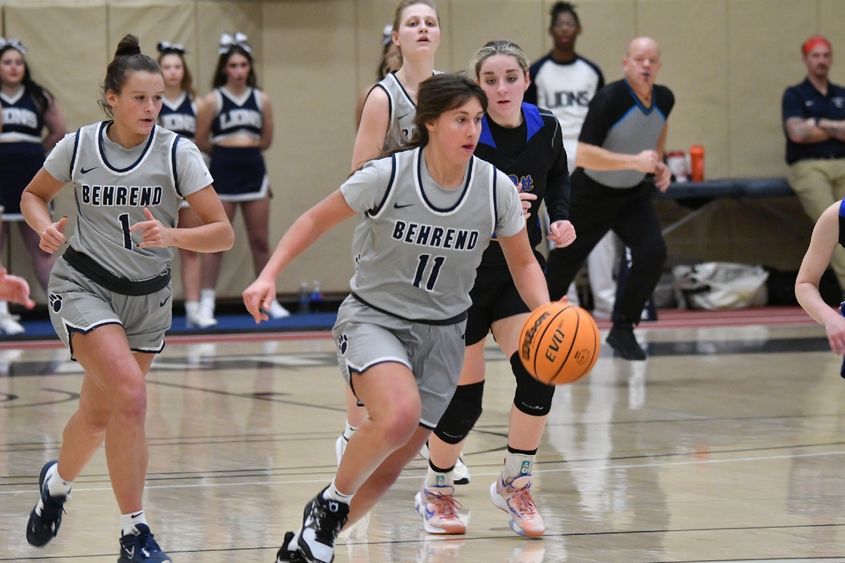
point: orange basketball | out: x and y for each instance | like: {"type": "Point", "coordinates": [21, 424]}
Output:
{"type": "Point", "coordinates": [559, 343]}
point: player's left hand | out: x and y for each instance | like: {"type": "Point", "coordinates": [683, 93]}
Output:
{"type": "Point", "coordinates": [525, 199]}
{"type": "Point", "coordinates": [561, 233]}
{"type": "Point", "coordinates": [662, 176]}
{"type": "Point", "coordinates": [153, 233]}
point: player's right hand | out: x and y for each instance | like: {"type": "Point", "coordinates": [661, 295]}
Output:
{"type": "Point", "coordinates": [258, 297]}
{"type": "Point", "coordinates": [53, 238]}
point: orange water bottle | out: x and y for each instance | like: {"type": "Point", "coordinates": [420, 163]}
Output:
{"type": "Point", "coordinates": [696, 161]}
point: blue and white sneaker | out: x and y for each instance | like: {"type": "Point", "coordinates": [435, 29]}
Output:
{"type": "Point", "coordinates": [41, 528]}
{"type": "Point", "coordinates": [141, 547]}
{"type": "Point", "coordinates": [322, 521]}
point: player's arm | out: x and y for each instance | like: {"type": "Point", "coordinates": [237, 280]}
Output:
{"type": "Point", "coordinates": [816, 260]}
{"type": "Point", "coordinates": [369, 139]}
{"type": "Point", "coordinates": [35, 200]}
{"type": "Point", "coordinates": [304, 232]}
{"type": "Point", "coordinates": [205, 115]}
{"type": "Point", "coordinates": [524, 268]}
{"type": "Point", "coordinates": [55, 122]}
{"type": "Point", "coordinates": [267, 128]}
{"type": "Point", "coordinates": [215, 234]}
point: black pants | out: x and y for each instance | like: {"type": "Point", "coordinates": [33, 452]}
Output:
{"type": "Point", "coordinates": [596, 209]}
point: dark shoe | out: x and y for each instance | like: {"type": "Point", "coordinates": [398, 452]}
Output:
{"type": "Point", "coordinates": [621, 339]}
{"type": "Point", "coordinates": [322, 521]}
{"type": "Point", "coordinates": [141, 548]}
{"type": "Point", "coordinates": [41, 529]}
{"type": "Point", "coordinates": [289, 552]}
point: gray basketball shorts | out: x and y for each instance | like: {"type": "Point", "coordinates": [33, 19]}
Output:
{"type": "Point", "coordinates": [77, 304]}
{"type": "Point", "coordinates": [434, 353]}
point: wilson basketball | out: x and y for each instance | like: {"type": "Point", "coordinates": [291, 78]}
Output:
{"type": "Point", "coordinates": [559, 343]}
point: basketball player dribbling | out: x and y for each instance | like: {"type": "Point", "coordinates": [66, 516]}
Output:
{"type": "Point", "coordinates": [428, 213]}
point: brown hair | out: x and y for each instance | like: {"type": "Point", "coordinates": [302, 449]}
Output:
{"type": "Point", "coordinates": [127, 58]}
{"type": "Point", "coordinates": [436, 96]}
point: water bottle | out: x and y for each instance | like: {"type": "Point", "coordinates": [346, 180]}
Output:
{"type": "Point", "coordinates": [304, 298]}
{"type": "Point", "coordinates": [316, 298]}
{"type": "Point", "coordinates": [696, 163]}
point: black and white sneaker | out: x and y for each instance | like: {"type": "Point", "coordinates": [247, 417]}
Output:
{"type": "Point", "coordinates": [141, 547]}
{"type": "Point", "coordinates": [41, 528]}
{"type": "Point", "coordinates": [289, 552]}
{"type": "Point", "coordinates": [322, 521]}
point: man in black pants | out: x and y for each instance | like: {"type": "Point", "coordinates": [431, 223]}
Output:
{"type": "Point", "coordinates": [619, 159]}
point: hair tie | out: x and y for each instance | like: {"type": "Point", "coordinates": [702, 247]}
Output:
{"type": "Point", "coordinates": [387, 35]}
{"type": "Point", "coordinates": [168, 47]}
{"type": "Point", "coordinates": [13, 43]}
{"type": "Point", "coordinates": [237, 40]}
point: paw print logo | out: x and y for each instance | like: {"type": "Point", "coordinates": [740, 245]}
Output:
{"type": "Point", "coordinates": [55, 302]}
{"type": "Point", "coordinates": [342, 343]}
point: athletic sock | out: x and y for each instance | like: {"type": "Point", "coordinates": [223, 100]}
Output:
{"type": "Point", "coordinates": [332, 493]}
{"type": "Point", "coordinates": [438, 477]}
{"type": "Point", "coordinates": [129, 522]}
{"type": "Point", "coordinates": [518, 463]}
{"type": "Point", "coordinates": [57, 486]}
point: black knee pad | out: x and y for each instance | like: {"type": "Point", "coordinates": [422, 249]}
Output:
{"type": "Point", "coordinates": [532, 397]}
{"type": "Point", "coordinates": [461, 414]}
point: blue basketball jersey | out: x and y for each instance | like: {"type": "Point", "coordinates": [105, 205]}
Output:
{"type": "Point", "coordinates": [237, 116]}
{"type": "Point", "coordinates": [22, 120]}
{"type": "Point", "coordinates": [179, 115]}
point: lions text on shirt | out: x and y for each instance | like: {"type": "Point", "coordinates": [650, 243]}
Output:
{"type": "Point", "coordinates": [237, 115]}
{"type": "Point", "coordinates": [179, 115]}
{"type": "Point", "coordinates": [566, 89]}
{"type": "Point", "coordinates": [22, 121]}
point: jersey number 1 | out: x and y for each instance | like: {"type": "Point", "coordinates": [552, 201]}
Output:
{"type": "Point", "coordinates": [127, 236]}
{"type": "Point", "coordinates": [436, 265]}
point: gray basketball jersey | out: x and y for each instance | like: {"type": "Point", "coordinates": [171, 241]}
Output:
{"type": "Point", "coordinates": [111, 194]}
{"type": "Point", "coordinates": [400, 126]}
{"type": "Point", "coordinates": [419, 245]}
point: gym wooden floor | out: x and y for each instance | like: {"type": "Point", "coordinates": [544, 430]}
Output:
{"type": "Point", "coordinates": [726, 445]}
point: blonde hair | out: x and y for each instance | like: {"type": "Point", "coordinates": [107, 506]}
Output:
{"type": "Point", "coordinates": [498, 47]}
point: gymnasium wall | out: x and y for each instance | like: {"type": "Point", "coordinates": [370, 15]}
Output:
{"type": "Point", "coordinates": [727, 61]}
